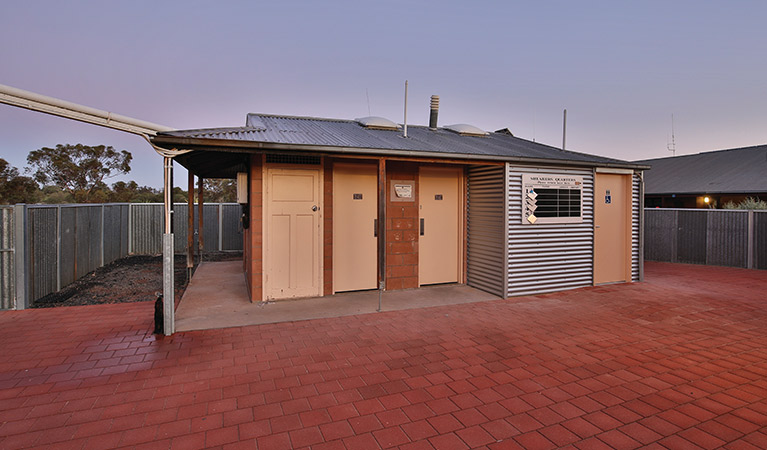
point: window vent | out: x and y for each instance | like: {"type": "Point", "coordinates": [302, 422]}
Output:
{"type": "Point", "coordinates": [293, 159]}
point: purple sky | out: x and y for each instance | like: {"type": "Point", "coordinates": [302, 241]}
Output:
{"type": "Point", "coordinates": [620, 69]}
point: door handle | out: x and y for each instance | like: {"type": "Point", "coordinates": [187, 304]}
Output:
{"type": "Point", "coordinates": [375, 227]}
{"type": "Point", "coordinates": [315, 208]}
{"type": "Point", "coordinates": [422, 227]}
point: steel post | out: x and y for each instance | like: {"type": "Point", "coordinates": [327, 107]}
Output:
{"type": "Point", "coordinates": [168, 295]}
{"type": "Point", "coordinates": [21, 263]}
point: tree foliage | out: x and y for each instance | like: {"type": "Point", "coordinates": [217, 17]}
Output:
{"type": "Point", "coordinates": [15, 188]}
{"type": "Point", "coordinates": [748, 203]}
{"type": "Point", "coordinates": [79, 169]}
{"type": "Point", "coordinates": [219, 190]}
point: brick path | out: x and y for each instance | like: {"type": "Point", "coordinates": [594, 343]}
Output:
{"type": "Point", "coordinates": [679, 361]}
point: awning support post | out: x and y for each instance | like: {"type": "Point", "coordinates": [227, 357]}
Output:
{"type": "Point", "coordinates": [190, 228]}
{"type": "Point", "coordinates": [168, 296]}
{"type": "Point", "coordinates": [200, 228]}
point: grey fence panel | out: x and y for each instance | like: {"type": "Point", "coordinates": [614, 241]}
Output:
{"type": "Point", "coordinates": [87, 239]}
{"type": "Point", "coordinates": [42, 243]}
{"type": "Point", "coordinates": [115, 232]}
{"type": "Point", "coordinates": [660, 235]}
{"type": "Point", "coordinates": [760, 239]}
{"type": "Point", "coordinates": [7, 258]}
{"type": "Point", "coordinates": [231, 227]}
{"type": "Point", "coordinates": [146, 228]}
{"type": "Point", "coordinates": [691, 239]}
{"type": "Point", "coordinates": [707, 236]}
{"type": "Point", "coordinates": [68, 249]}
{"type": "Point", "coordinates": [210, 228]}
{"type": "Point", "coordinates": [180, 224]}
{"type": "Point", "coordinates": [727, 238]}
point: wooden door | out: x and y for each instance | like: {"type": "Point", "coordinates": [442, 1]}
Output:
{"type": "Point", "coordinates": [439, 240]}
{"type": "Point", "coordinates": [612, 228]}
{"type": "Point", "coordinates": [292, 233]}
{"type": "Point", "coordinates": [355, 211]}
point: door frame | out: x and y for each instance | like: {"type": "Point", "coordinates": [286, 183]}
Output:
{"type": "Point", "coordinates": [320, 168]}
{"type": "Point", "coordinates": [627, 175]}
{"type": "Point", "coordinates": [462, 247]}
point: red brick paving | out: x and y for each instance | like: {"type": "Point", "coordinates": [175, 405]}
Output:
{"type": "Point", "coordinates": [679, 361]}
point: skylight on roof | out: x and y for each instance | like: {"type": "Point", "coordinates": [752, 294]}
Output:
{"type": "Point", "coordinates": [465, 129]}
{"type": "Point", "coordinates": [377, 123]}
{"type": "Point", "coordinates": [255, 121]}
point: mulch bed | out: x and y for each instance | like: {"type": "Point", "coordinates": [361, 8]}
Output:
{"type": "Point", "coordinates": [136, 278]}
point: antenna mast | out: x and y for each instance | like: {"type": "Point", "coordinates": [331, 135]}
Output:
{"type": "Point", "coordinates": [672, 146]}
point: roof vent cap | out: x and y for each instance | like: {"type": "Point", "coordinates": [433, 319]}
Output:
{"type": "Point", "coordinates": [465, 129]}
{"type": "Point", "coordinates": [377, 123]}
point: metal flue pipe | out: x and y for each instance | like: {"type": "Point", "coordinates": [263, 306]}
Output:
{"type": "Point", "coordinates": [434, 110]}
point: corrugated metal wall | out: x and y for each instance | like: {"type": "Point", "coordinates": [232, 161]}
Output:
{"type": "Point", "coordinates": [485, 210]}
{"type": "Point", "coordinates": [706, 236]}
{"type": "Point", "coordinates": [551, 257]}
{"type": "Point", "coordinates": [7, 258]}
{"type": "Point", "coordinates": [635, 227]}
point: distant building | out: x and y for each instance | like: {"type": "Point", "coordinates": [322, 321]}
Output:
{"type": "Point", "coordinates": [719, 176]}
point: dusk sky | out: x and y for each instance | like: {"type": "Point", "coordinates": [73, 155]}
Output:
{"type": "Point", "coordinates": [620, 69]}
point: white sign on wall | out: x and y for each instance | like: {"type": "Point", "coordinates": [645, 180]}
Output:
{"type": "Point", "coordinates": [551, 198]}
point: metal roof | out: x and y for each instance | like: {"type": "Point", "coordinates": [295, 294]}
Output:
{"type": "Point", "coordinates": [265, 131]}
{"type": "Point", "coordinates": [737, 170]}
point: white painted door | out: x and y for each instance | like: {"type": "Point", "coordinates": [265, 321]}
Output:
{"type": "Point", "coordinates": [293, 230]}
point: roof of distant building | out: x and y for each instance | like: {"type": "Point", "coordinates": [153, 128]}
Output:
{"type": "Point", "coordinates": [732, 171]}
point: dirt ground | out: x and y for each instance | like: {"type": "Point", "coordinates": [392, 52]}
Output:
{"type": "Point", "coordinates": [136, 278]}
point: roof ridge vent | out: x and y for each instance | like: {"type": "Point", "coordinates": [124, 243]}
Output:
{"type": "Point", "coordinates": [377, 123]}
{"type": "Point", "coordinates": [464, 129]}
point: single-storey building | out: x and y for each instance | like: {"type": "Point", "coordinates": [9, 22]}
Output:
{"type": "Point", "coordinates": [706, 180]}
{"type": "Point", "coordinates": [345, 205]}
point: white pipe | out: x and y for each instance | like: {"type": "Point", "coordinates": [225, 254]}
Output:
{"type": "Point", "coordinates": [50, 105]}
{"type": "Point", "coordinates": [42, 103]}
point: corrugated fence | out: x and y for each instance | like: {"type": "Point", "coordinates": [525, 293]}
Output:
{"type": "Point", "coordinates": [7, 267]}
{"type": "Point", "coordinates": [43, 248]}
{"type": "Point", "coordinates": [735, 238]}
